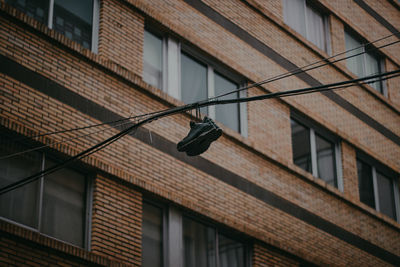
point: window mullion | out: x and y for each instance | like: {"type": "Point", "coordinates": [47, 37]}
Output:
{"type": "Point", "coordinates": [211, 90]}
{"type": "Point", "coordinates": [396, 199]}
{"type": "Point", "coordinates": [313, 153]}
{"type": "Point", "coordinates": [339, 169]}
{"type": "Point", "coordinates": [41, 189]}
{"type": "Point", "coordinates": [305, 19]}
{"type": "Point", "coordinates": [376, 194]}
{"type": "Point", "coordinates": [216, 249]}
{"type": "Point", "coordinates": [95, 28]}
{"type": "Point", "coordinates": [51, 12]}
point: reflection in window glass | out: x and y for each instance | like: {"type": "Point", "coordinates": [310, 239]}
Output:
{"type": "Point", "coordinates": [73, 18]}
{"type": "Point", "coordinates": [386, 195]}
{"type": "Point", "coordinates": [152, 236]}
{"type": "Point", "coordinates": [37, 9]}
{"type": "Point", "coordinates": [199, 244]}
{"type": "Point", "coordinates": [326, 160]}
{"type": "Point", "coordinates": [193, 81]}
{"type": "Point", "coordinates": [21, 204]}
{"type": "Point", "coordinates": [231, 253]}
{"type": "Point", "coordinates": [63, 205]}
{"type": "Point", "coordinates": [227, 114]}
{"type": "Point", "coordinates": [152, 59]}
{"type": "Point", "coordinates": [301, 146]}
{"type": "Point", "coordinates": [365, 184]}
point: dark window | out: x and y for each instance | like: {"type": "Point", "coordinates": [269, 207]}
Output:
{"type": "Point", "coordinates": [386, 195]}
{"type": "Point", "coordinates": [199, 244]}
{"type": "Point", "coordinates": [376, 189]}
{"type": "Point", "coordinates": [314, 153]}
{"type": "Point", "coordinates": [204, 246]}
{"type": "Point", "coordinates": [301, 146]}
{"type": "Point", "coordinates": [37, 9]}
{"type": "Point", "coordinates": [326, 160]}
{"type": "Point", "coordinates": [365, 184]}
{"type": "Point", "coordinates": [72, 18]}
{"type": "Point", "coordinates": [152, 236]}
{"type": "Point", "coordinates": [54, 204]}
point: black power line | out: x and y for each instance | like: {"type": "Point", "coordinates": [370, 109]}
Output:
{"type": "Point", "coordinates": [185, 108]}
{"type": "Point", "coordinates": [269, 80]}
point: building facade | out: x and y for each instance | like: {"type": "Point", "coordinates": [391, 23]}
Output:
{"type": "Point", "coordinates": [305, 180]}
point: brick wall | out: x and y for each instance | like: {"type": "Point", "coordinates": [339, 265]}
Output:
{"type": "Point", "coordinates": [112, 81]}
{"type": "Point", "coordinates": [116, 222]}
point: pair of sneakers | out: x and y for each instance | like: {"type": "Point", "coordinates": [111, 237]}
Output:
{"type": "Point", "coordinates": [200, 137]}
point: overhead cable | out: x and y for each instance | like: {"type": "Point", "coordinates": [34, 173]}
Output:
{"type": "Point", "coordinates": [269, 80]}
{"type": "Point", "coordinates": [185, 108]}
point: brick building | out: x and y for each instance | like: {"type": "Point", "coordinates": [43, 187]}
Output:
{"type": "Point", "coordinates": [299, 181]}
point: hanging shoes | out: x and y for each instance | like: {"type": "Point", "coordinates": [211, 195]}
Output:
{"type": "Point", "coordinates": [200, 137]}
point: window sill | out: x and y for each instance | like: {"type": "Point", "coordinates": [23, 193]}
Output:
{"type": "Point", "coordinates": [69, 252]}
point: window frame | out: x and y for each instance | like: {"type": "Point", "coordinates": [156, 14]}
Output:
{"type": "Point", "coordinates": [364, 51]}
{"type": "Point", "coordinates": [171, 72]}
{"type": "Point", "coordinates": [314, 130]}
{"type": "Point", "coordinates": [377, 167]}
{"type": "Point", "coordinates": [87, 214]}
{"type": "Point", "coordinates": [172, 223]}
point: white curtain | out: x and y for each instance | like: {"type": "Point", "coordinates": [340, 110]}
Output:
{"type": "Point", "coordinates": [315, 28]}
{"type": "Point", "coordinates": [294, 15]}
{"type": "Point", "coordinates": [355, 64]}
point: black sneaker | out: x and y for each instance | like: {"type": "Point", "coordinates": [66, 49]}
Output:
{"type": "Point", "coordinates": [197, 133]}
{"type": "Point", "coordinates": [200, 137]}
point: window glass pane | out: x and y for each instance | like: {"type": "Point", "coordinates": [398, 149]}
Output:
{"type": "Point", "coordinates": [355, 64]}
{"type": "Point", "coordinates": [365, 184]}
{"type": "Point", "coordinates": [294, 15]}
{"type": "Point", "coordinates": [231, 252]}
{"type": "Point", "coordinates": [199, 244]}
{"type": "Point", "coordinates": [19, 205]}
{"type": "Point", "coordinates": [326, 160]}
{"type": "Point", "coordinates": [37, 9]}
{"type": "Point", "coordinates": [386, 195]}
{"type": "Point", "coordinates": [371, 68]}
{"type": "Point", "coordinates": [301, 146]}
{"type": "Point", "coordinates": [152, 59]}
{"type": "Point", "coordinates": [73, 18]}
{"type": "Point", "coordinates": [152, 236]}
{"type": "Point", "coordinates": [64, 205]}
{"type": "Point", "coordinates": [193, 81]}
{"type": "Point", "coordinates": [227, 114]}
{"type": "Point", "coordinates": [315, 28]}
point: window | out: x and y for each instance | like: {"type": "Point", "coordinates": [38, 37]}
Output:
{"type": "Point", "coordinates": [204, 246]}
{"type": "Point", "coordinates": [153, 59]}
{"type": "Point", "coordinates": [365, 64]}
{"type": "Point", "coordinates": [378, 189]}
{"type": "Point", "coordinates": [76, 19]}
{"type": "Point", "coordinates": [316, 153]}
{"type": "Point", "coordinates": [54, 205]}
{"type": "Point", "coordinates": [187, 242]}
{"type": "Point", "coordinates": [186, 74]}
{"type": "Point", "coordinates": [200, 81]}
{"type": "Point", "coordinates": [152, 236]}
{"type": "Point", "coordinates": [307, 21]}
